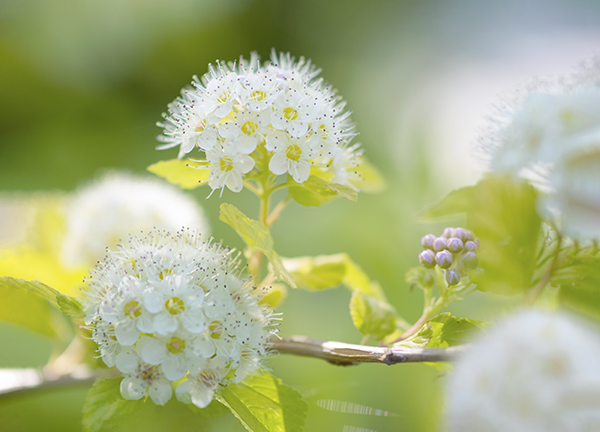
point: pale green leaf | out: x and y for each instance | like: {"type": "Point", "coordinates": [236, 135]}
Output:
{"type": "Point", "coordinates": [369, 178]}
{"type": "Point", "coordinates": [317, 191]}
{"type": "Point", "coordinates": [328, 271]}
{"type": "Point", "coordinates": [104, 406]}
{"type": "Point", "coordinates": [579, 282]}
{"type": "Point", "coordinates": [316, 273]}
{"type": "Point", "coordinates": [457, 201]}
{"type": "Point", "coordinates": [33, 305]}
{"type": "Point", "coordinates": [181, 173]}
{"type": "Point", "coordinates": [502, 214]}
{"type": "Point", "coordinates": [70, 306]}
{"type": "Point", "coordinates": [372, 317]}
{"type": "Point", "coordinates": [264, 404]}
{"type": "Point", "coordinates": [442, 331]}
{"type": "Point", "coordinates": [256, 236]}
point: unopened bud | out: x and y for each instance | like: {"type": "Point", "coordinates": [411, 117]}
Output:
{"type": "Point", "coordinates": [461, 234]}
{"type": "Point", "coordinates": [427, 258]}
{"type": "Point", "coordinates": [439, 244]}
{"type": "Point", "coordinates": [470, 235]}
{"type": "Point", "coordinates": [448, 232]}
{"type": "Point", "coordinates": [452, 277]}
{"type": "Point", "coordinates": [470, 260]}
{"type": "Point", "coordinates": [470, 246]}
{"type": "Point", "coordinates": [455, 245]}
{"type": "Point", "coordinates": [444, 259]}
{"type": "Point", "coordinates": [427, 241]}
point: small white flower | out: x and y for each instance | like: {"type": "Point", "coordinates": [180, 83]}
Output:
{"type": "Point", "coordinates": [248, 129]}
{"type": "Point", "coordinates": [141, 379]}
{"type": "Point", "coordinates": [290, 155]}
{"type": "Point", "coordinates": [227, 167]}
{"type": "Point", "coordinates": [201, 387]}
{"type": "Point", "coordinates": [533, 372]}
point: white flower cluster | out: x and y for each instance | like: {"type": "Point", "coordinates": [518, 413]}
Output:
{"type": "Point", "coordinates": [534, 372]}
{"type": "Point", "coordinates": [106, 211]}
{"type": "Point", "coordinates": [550, 135]}
{"type": "Point", "coordinates": [171, 307]}
{"type": "Point", "coordinates": [241, 113]}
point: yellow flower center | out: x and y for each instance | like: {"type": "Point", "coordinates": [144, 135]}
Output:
{"type": "Point", "coordinates": [200, 126]}
{"type": "Point", "coordinates": [175, 305]}
{"type": "Point", "coordinates": [175, 345]}
{"type": "Point", "coordinates": [290, 113]}
{"type": "Point", "coordinates": [249, 128]}
{"type": "Point", "coordinates": [226, 164]}
{"type": "Point", "coordinates": [224, 96]}
{"type": "Point", "coordinates": [132, 309]}
{"type": "Point", "coordinates": [216, 330]}
{"type": "Point", "coordinates": [208, 378]}
{"type": "Point", "coordinates": [293, 152]}
{"type": "Point", "coordinates": [258, 95]}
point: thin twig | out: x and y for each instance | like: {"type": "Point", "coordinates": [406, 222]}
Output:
{"type": "Point", "coordinates": [347, 354]}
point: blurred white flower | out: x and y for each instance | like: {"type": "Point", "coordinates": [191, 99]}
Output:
{"type": "Point", "coordinates": [105, 211]}
{"type": "Point", "coordinates": [237, 106]}
{"type": "Point", "coordinates": [533, 372]}
{"type": "Point", "coordinates": [551, 137]}
{"type": "Point", "coordinates": [166, 307]}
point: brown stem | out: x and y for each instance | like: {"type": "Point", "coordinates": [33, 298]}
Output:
{"type": "Point", "coordinates": [347, 354]}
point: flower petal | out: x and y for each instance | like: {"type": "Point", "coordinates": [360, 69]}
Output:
{"type": "Point", "coordinates": [174, 367]}
{"type": "Point", "coordinates": [153, 352]}
{"type": "Point", "coordinates": [127, 361]}
{"type": "Point", "coordinates": [165, 323]}
{"type": "Point", "coordinates": [278, 164]}
{"type": "Point", "coordinates": [132, 388]}
{"type": "Point", "coordinates": [183, 392]}
{"type": "Point", "coordinates": [126, 332]}
{"type": "Point", "coordinates": [160, 391]}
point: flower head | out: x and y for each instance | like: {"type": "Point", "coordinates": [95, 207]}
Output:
{"type": "Point", "coordinates": [105, 211]}
{"type": "Point", "coordinates": [550, 136]}
{"type": "Point", "coordinates": [533, 372]}
{"type": "Point", "coordinates": [245, 108]}
{"type": "Point", "coordinates": [171, 307]}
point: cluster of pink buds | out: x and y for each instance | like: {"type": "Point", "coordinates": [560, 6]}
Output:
{"type": "Point", "coordinates": [454, 251]}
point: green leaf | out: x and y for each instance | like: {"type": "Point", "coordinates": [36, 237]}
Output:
{"type": "Point", "coordinates": [256, 236]}
{"type": "Point", "coordinates": [457, 201]}
{"type": "Point", "coordinates": [317, 191]}
{"type": "Point", "coordinates": [442, 331]}
{"type": "Point", "coordinates": [180, 173]}
{"type": "Point", "coordinates": [328, 271]}
{"type": "Point", "coordinates": [370, 180]}
{"type": "Point", "coordinates": [316, 273]}
{"type": "Point", "coordinates": [263, 403]}
{"type": "Point", "coordinates": [372, 317]}
{"type": "Point", "coordinates": [502, 214]}
{"type": "Point", "coordinates": [104, 406]}
{"type": "Point", "coordinates": [579, 282]}
{"type": "Point", "coordinates": [33, 305]}
{"type": "Point", "coordinates": [70, 306]}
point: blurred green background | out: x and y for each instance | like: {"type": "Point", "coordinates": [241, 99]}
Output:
{"type": "Point", "coordinates": [82, 84]}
